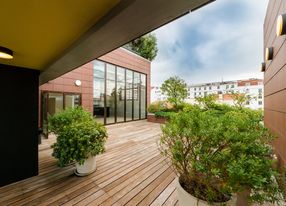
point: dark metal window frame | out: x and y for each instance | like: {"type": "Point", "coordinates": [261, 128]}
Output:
{"type": "Point", "coordinates": [43, 92]}
{"type": "Point", "coordinates": [125, 94]}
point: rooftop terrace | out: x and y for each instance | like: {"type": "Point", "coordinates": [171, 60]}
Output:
{"type": "Point", "coordinates": [130, 172]}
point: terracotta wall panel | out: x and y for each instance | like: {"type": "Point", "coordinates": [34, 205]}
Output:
{"type": "Point", "coordinates": [274, 79]}
{"type": "Point", "coordinates": [120, 57]}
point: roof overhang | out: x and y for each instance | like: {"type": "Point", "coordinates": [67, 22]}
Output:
{"type": "Point", "coordinates": [95, 29]}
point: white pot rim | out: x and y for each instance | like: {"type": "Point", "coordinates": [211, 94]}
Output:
{"type": "Point", "coordinates": [199, 200]}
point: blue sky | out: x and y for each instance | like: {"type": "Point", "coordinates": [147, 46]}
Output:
{"type": "Point", "coordinates": [223, 40]}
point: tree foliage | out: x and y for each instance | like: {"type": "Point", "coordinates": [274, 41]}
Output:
{"type": "Point", "coordinates": [145, 46]}
{"type": "Point", "coordinates": [220, 150]}
{"type": "Point", "coordinates": [175, 89]}
{"type": "Point", "coordinates": [240, 99]}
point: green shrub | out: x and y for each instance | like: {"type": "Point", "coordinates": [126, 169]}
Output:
{"type": "Point", "coordinates": [156, 107]}
{"type": "Point", "coordinates": [78, 136]}
{"type": "Point", "coordinates": [220, 152]}
{"type": "Point", "coordinates": [166, 115]}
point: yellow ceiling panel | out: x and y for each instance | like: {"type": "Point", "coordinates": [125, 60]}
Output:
{"type": "Point", "coordinates": [38, 32]}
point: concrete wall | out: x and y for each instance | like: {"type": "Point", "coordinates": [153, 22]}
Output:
{"type": "Point", "coordinates": [274, 78]}
{"type": "Point", "coordinates": [18, 123]}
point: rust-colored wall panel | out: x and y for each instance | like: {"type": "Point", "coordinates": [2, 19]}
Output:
{"type": "Point", "coordinates": [277, 83]}
{"type": "Point", "coordinates": [272, 17]}
{"type": "Point", "coordinates": [275, 79]}
{"type": "Point", "coordinates": [120, 57]}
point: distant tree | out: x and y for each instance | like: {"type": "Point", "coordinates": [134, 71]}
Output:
{"type": "Point", "coordinates": [240, 99]}
{"type": "Point", "coordinates": [145, 46]}
{"type": "Point", "coordinates": [207, 102]}
{"type": "Point", "coordinates": [175, 89]}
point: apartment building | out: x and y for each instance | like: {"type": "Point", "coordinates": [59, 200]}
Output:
{"type": "Point", "coordinates": [222, 90]}
{"type": "Point", "coordinates": [156, 94]}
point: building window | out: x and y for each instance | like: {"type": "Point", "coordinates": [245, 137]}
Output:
{"type": "Point", "coordinates": [259, 102]}
{"type": "Point", "coordinates": [232, 86]}
{"type": "Point", "coordinates": [119, 94]}
{"type": "Point", "coordinates": [195, 89]}
{"type": "Point", "coordinates": [227, 86]}
{"type": "Point", "coordinates": [247, 84]}
{"type": "Point", "coordinates": [205, 88]}
{"type": "Point", "coordinates": [210, 88]}
{"type": "Point", "coordinates": [247, 103]}
{"type": "Point", "coordinates": [218, 87]}
{"type": "Point", "coordinates": [55, 102]}
{"type": "Point", "coordinates": [199, 88]}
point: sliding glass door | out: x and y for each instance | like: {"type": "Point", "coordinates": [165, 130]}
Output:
{"type": "Point", "coordinates": [119, 94]}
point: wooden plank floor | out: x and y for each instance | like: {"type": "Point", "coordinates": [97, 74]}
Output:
{"type": "Point", "coordinates": [130, 172]}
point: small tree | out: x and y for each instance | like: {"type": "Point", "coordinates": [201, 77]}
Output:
{"type": "Point", "coordinates": [145, 46]}
{"type": "Point", "coordinates": [240, 99]}
{"type": "Point", "coordinates": [175, 89]}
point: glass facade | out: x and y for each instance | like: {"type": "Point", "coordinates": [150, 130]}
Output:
{"type": "Point", "coordinates": [119, 94]}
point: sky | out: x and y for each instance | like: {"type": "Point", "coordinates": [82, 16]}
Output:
{"type": "Point", "coordinates": [221, 41]}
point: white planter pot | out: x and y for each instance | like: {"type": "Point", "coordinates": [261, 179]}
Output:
{"type": "Point", "coordinates": [88, 167]}
{"type": "Point", "coordinates": [186, 199]}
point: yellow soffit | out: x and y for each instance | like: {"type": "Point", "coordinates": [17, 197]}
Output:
{"type": "Point", "coordinates": [38, 32]}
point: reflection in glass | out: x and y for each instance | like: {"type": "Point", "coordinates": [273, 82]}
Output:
{"type": "Point", "coordinates": [98, 91]}
{"type": "Point", "coordinates": [143, 97]}
{"type": "Point", "coordinates": [110, 94]}
{"type": "Point", "coordinates": [55, 103]}
{"type": "Point", "coordinates": [136, 83]}
{"type": "Point", "coordinates": [120, 94]}
{"type": "Point", "coordinates": [72, 100]}
{"type": "Point", "coordinates": [129, 95]}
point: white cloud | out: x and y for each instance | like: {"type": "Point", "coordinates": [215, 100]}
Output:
{"type": "Point", "coordinates": [222, 40]}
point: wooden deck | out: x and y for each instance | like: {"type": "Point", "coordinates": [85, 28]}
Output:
{"type": "Point", "coordinates": [130, 172]}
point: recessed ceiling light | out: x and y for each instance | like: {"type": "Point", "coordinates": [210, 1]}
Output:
{"type": "Point", "coordinates": [6, 53]}
{"type": "Point", "coordinates": [281, 25]}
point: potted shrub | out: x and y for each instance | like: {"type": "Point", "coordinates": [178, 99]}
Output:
{"type": "Point", "coordinates": [79, 139]}
{"type": "Point", "coordinates": [220, 153]}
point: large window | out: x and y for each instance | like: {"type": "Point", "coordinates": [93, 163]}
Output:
{"type": "Point", "coordinates": [110, 94]}
{"type": "Point", "coordinates": [99, 91]}
{"type": "Point", "coordinates": [55, 102]}
{"type": "Point", "coordinates": [136, 103]}
{"type": "Point", "coordinates": [120, 99]}
{"type": "Point", "coordinates": [119, 94]}
{"type": "Point", "coordinates": [143, 99]}
{"type": "Point", "coordinates": [129, 94]}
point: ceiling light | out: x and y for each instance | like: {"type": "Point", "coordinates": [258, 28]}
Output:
{"type": "Point", "coordinates": [281, 25]}
{"type": "Point", "coordinates": [6, 53]}
{"type": "Point", "coordinates": [269, 53]}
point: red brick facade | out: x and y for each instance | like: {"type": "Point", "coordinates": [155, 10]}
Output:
{"type": "Point", "coordinates": [120, 57]}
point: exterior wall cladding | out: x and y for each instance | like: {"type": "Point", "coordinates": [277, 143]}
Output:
{"type": "Point", "coordinates": [120, 57]}
{"type": "Point", "coordinates": [274, 78]}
